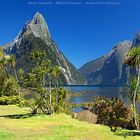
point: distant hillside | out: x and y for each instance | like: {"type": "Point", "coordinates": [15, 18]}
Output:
{"type": "Point", "coordinates": [109, 69]}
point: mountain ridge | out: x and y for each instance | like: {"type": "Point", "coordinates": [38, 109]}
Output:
{"type": "Point", "coordinates": [110, 68]}
{"type": "Point", "coordinates": [34, 34]}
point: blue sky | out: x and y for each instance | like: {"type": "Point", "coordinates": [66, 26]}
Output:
{"type": "Point", "coordinates": [82, 32]}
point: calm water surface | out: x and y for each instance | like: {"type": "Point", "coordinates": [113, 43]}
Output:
{"type": "Point", "coordinates": [87, 93]}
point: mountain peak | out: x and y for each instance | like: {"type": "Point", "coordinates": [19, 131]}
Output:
{"type": "Point", "coordinates": [109, 69]}
{"type": "Point", "coordinates": [38, 14]}
{"type": "Point", "coordinates": [33, 36]}
{"type": "Point", "coordinates": [39, 26]}
{"type": "Point", "coordinates": [38, 18]}
{"type": "Point", "coordinates": [36, 26]}
{"type": "Point", "coordinates": [123, 45]}
{"type": "Point", "coordinates": [136, 41]}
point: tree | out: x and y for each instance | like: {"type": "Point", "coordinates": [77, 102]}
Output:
{"type": "Point", "coordinates": [132, 85]}
{"type": "Point", "coordinates": [4, 61]}
{"type": "Point", "coordinates": [59, 100]}
{"type": "Point", "coordinates": [133, 59]}
{"type": "Point", "coordinates": [37, 80]}
{"type": "Point", "coordinates": [21, 77]}
{"type": "Point", "coordinates": [40, 80]}
{"type": "Point", "coordinates": [54, 74]}
{"type": "Point", "coordinates": [8, 61]}
{"type": "Point", "coordinates": [2, 73]}
{"type": "Point", "coordinates": [12, 64]}
{"type": "Point", "coordinates": [8, 85]}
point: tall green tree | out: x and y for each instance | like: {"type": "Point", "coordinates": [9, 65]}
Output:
{"type": "Point", "coordinates": [8, 61]}
{"type": "Point", "coordinates": [133, 60]}
{"type": "Point", "coordinates": [8, 85]}
{"type": "Point", "coordinates": [53, 76]}
{"type": "Point", "coordinates": [57, 72]}
{"type": "Point", "coordinates": [36, 80]}
{"type": "Point", "coordinates": [48, 97]}
{"type": "Point", "coordinates": [12, 64]}
{"type": "Point", "coordinates": [4, 61]}
{"type": "Point", "coordinates": [2, 73]}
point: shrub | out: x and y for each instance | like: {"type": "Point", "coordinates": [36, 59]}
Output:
{"type": "Point", "coordinates": [112, 112]}
{"type": "Point", "coordinates": [10, 87]}
{"type": "Point", "coordinates": [8, 100]}
{"type": "Point", "coordinates": [26, 103]}
{"type": "Point", "coordinates": [40, 103]}
{"type": "Point", "coordinates": [59, 101]}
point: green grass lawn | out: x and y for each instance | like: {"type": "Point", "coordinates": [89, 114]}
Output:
{"type": "Point", "coordinates": [55, 127]}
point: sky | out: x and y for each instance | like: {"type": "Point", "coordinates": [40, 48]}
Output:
{"type": "Point", "coordinates": [83, 29]}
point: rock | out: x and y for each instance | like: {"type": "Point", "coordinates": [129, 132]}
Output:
{"type": "Point", "coordinates": [87, 116]}
{"type": "Point", "coordinates": [136, 40]}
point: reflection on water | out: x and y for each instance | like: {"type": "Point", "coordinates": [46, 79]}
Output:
{"type": "Point", "coordinates": [87, 93]}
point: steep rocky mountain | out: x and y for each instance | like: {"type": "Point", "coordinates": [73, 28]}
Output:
{"type": "Point", "coordinates": [35, 35]}
{"type": "Point", "coordinates": [109, 69]}
{"type": "Point", "coordinates": [136, 40]}
{"type": "Point", "coordinates": [92, 66]}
